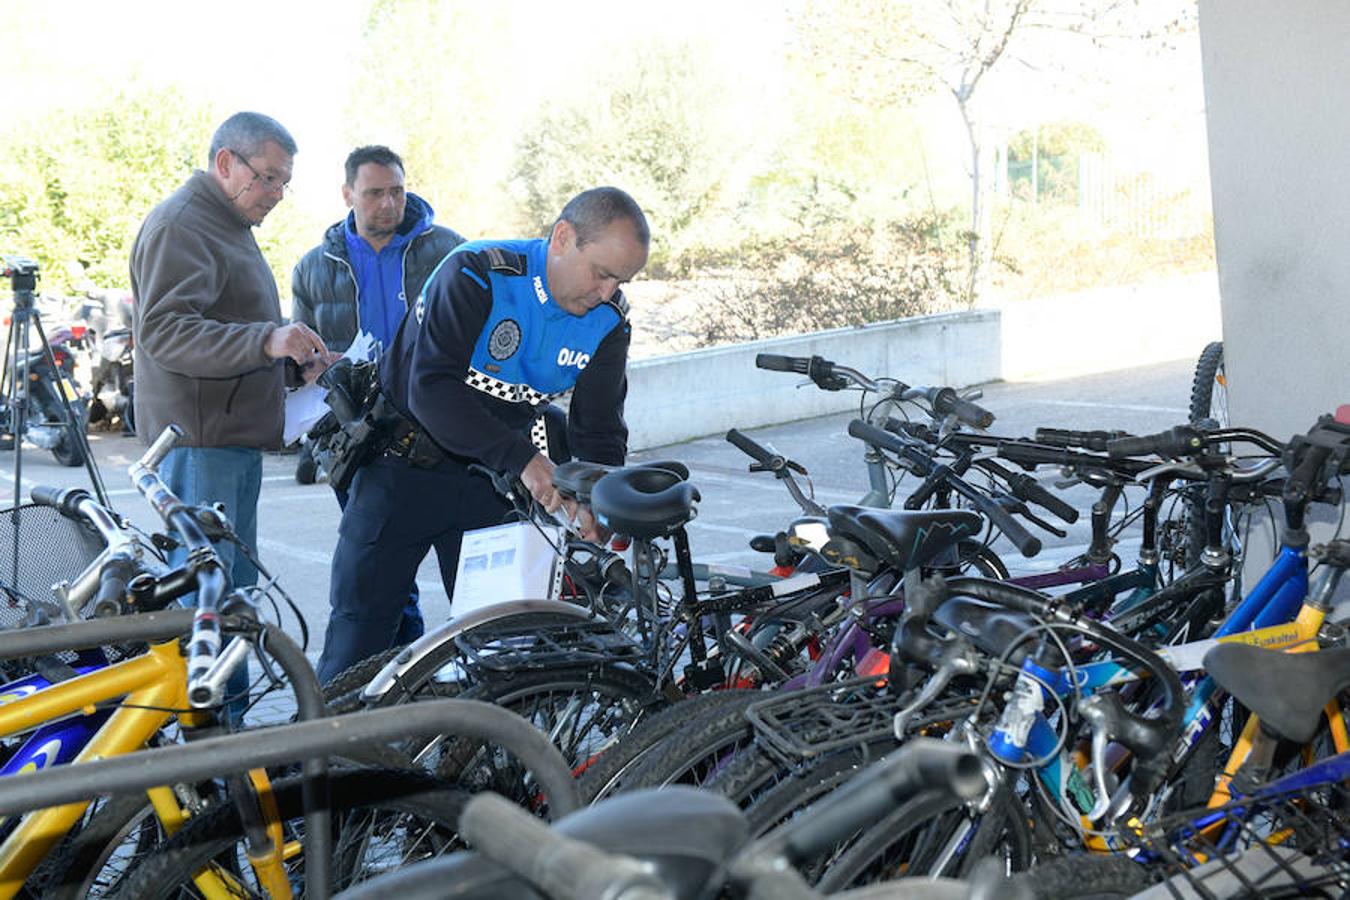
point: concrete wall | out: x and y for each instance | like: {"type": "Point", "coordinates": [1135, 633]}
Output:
{"type": "Point", "coordinates": [687, 395]}
{"type": "Point", "coordinates": [1277, 87]}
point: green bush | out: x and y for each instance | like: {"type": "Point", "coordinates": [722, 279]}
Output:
{"type": "Point", "coordinates": [832, 275]}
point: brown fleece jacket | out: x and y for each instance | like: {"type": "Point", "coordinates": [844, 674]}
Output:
{"type": "Point", "coordinates": [205, 304]}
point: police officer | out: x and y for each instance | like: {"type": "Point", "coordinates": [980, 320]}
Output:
{"type": "Point", "coordinates": [500, 328]}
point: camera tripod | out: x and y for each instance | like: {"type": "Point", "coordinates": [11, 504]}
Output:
{"type": "Point", "coordinates": [16, 383]}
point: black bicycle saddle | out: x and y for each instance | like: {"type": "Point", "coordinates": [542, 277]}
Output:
{"type": "Point", "coordinates": [643, 502]}
{"type": "Point", "coordinates": [575, 478]}
{"type": "Point", "coordinates": [1287, 691]}
{"type": "Point", "coordinates": [907, 539]}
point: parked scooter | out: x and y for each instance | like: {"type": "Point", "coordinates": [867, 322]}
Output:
{"type": "Point", "coordinates": [44, 418]}
{"type": "Point", "coordinates": [111, 383]}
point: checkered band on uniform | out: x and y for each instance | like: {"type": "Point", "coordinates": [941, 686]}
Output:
{"type": "Point", "coordinates": [512, 393]}
{"type": "Point", "coordinates": [539, 434]}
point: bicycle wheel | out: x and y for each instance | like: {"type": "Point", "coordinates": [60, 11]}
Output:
{"type": "Point", "coordinates": [1209, 388]}
{"type": "Point", "coordinates": [343, 693]}
{"type": "Point", "coordinates": [935, 836]}
{"type": "Point", "coordinates": [93, 861]}
{"type": "Point", "coordinates": [698, 751]}
{"type": "Point", "coordinates": [608, 774]}
{"type": "Point", "coordinates": [381, 820]}
{"type": "Point", "coordinates": [580, 709]}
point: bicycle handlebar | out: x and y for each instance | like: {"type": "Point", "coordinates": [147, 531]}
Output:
{"type": "Point", "coordinates": [1149, 737]}
{"type": "Point", "coordinates": [204, 643]}
{"type": "Point", "coordinates": [115, 566]}
{"type": "Point", "coordinates": [946, 401]}
{"type": "Point", "coordinates": [755, 450]}
{"type": "Point", "coordinates": [1026, 543]}
{"type": "Point", "coordinates": [830, 376]}
{"type": "Point", "coordinates": [562, 867]}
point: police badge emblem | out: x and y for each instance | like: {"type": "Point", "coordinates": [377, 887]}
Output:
{"type": "Point", "coordinates": [504, 340]}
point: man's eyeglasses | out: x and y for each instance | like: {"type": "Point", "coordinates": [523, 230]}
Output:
{"type": "Point", "coordinates": [270, 183]}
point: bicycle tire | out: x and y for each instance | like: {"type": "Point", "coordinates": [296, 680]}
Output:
{"type": "Point", "coordinates": [1002, 831]}
{"type": "Point", "coordinates": [82, 864]}
{"type": "Point", "coordinates": [343, 693]}
{"type": "Point", "coordinates": [695, 753]}
{"type": "Point", "coordinates": [608, 774]}
{"type": "Point", "coordinates": [1209, 387]}
{"type": "Point", "coordinates": [215, 837]}
{"type": "Point", "coordinates": [69, 449]}
{"type": "Point", "coordinates": [1084, 876]}
{"type": "Point", "coordinates": [616, 696]}
{"type": "Point", "coordinates": [1203, 411]}
{"type": "Point", "coordinates": [771, 792]}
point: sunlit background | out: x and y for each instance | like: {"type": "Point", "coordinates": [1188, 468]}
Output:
{"type": "Point", "coordinates": [805, 164]}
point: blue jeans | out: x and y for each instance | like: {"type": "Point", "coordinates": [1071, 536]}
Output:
{"type": "Point", "coordinates": [231, 476]}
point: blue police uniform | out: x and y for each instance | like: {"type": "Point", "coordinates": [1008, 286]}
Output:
{"type": "Point", "coordinates": [484, 349]}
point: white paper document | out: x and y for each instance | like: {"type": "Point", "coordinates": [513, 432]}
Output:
{"type": "Point", "coordinates": [305, 406]}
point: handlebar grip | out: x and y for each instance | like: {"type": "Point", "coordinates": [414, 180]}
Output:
{"type": "Point", "coordinates": [750, 447]}
{"type": "Point", "coordinates": [1183, 440]}
{"type": "Point", "coordinates": [566, 867]}
{"type": "Point", "coordinates": [777, 363]}
{"type": "Point", "coordinates": [922, 764]}
{"type": "Point", "coordinates": [945, 401]}
{"type": "Point", "coordinates": [1031, 490]}
{"type": "Point", "coordinates": [64, 500]}
{"type": "Point", "coordinates": [1026, 542]}
{"type": "Point", "coordinates": [161, 447]}
{"type": "Point", "coordinates": [865, 431]}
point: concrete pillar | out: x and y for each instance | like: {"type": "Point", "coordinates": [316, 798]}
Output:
{"type": "Point", "coordinates": [1277, 91]}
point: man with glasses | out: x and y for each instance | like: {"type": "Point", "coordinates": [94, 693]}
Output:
{"type": "Point", "coordinates": [213, 354]}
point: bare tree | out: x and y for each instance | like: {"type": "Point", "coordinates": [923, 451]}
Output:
{"type": "Point", "coordinates": [891, 52]}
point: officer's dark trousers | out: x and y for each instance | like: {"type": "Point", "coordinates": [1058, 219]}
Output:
{"type": "Point", "coordinates": [394, 515]}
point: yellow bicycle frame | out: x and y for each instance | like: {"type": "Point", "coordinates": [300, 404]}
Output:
{"type": "Point", "coordinates": [153, 688]}
{"type": "Point", "coordinates": [1298, 636]}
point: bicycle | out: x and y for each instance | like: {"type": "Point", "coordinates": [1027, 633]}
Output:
{"type": "Point", "coordinates": [142, 692]}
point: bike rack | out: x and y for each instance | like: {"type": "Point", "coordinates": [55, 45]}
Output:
{"type": "Point", "coordinates": [314, 739]}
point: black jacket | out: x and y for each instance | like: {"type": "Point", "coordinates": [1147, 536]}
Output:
{"type": "Point", "coordinates": [323, 285]}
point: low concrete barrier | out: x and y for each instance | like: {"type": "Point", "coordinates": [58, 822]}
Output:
{"type": "Point", "coordinates": [686, 395]}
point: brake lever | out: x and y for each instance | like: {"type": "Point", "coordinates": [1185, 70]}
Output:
{"type": "Point", "coordinates": [1013, 505]}
{"type": "Point", "coordinates": [1097, 717]}
{"type": "Point", "coordinates": [958, 658]}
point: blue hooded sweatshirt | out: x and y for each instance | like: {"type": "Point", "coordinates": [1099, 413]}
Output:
{"type": "Point", "coordinates": [379, 276]}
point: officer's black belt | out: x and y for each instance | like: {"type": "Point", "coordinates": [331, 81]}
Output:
{"type": "Point", "coordinates": [410, 443]}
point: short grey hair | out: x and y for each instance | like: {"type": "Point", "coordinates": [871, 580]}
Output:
{"type": "Point", "coordinates": [590, 213]}
{"type": "Point", "coordinates": [246, 132]}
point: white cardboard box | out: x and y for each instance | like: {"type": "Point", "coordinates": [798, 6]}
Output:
{"type": "Point", "coordinates": [506, 562]}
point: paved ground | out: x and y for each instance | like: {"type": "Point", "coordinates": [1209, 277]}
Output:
{"type": "Point", "coordinates": [298, 524]}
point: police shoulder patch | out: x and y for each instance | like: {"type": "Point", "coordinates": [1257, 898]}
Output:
{"type": "Point", "coordinates": [504, 261]}
{"type": "Point", "coordinates": [620, 304]}
{"type": "Point", "coordinates": [504, 339]}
